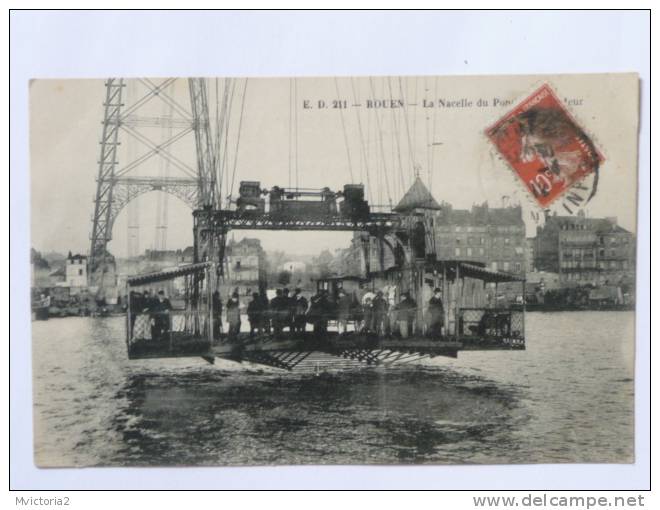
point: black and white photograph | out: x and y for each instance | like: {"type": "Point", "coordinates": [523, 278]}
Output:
{"type": "Point", "coordinates": [342, 270]}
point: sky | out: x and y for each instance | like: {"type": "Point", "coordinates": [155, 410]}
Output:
{"type": "Point", "coordinates": [316, 132]}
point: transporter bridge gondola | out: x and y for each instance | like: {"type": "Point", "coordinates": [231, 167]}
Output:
{"type": "Point", "coordinates": [176, 312]}
{"type": "Point", "coordinates": [188, 327]}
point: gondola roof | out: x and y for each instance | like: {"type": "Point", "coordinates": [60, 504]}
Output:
{"type": "Point", "coordinates": [487, 275]}
{"type": "Point", "coordinates": [168, 274]}
{"type": "Point", "coordinates": [469, 269]}
{"type": "Point", "coordinates": [342, 278]}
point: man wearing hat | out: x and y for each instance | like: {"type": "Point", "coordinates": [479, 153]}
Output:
{"type": "Point", "coordinates": [300, 311]}
{"type": "Point", "coordinates": [233, 316]}
{"type": "Point", "coordinates": [436, 314]}
{"type": "Point", "coordinates": [379, 307]}
{"type": "Point", "coordinates": [161, 312]}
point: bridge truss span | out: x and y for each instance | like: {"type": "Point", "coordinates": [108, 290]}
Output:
{"type": "Point", "coordinates": [233, 220]}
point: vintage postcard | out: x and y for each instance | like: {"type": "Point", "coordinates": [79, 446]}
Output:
{"type": "Point", "coordinates": [338, 270]}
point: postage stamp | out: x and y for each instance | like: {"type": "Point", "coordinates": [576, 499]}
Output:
{"type": "Point", "coordinates": [546, 147]}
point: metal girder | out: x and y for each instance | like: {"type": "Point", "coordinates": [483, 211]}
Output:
{"type": "Point", "coordinates": [129, 188]}
{"type": "Point", "coordinates": [151, 121]}
{"type": "Point", "coordinates": [206, 159]}
{"type": "Point", "coordinates": [116, 186]}
{"type": "Point", "coordinates": [279, 359]}
{"type": "Point", "coordinates": [102, 220]}
{"type": "Point", "coordinates": [157, 149]}
{"type": "Point", "coordinates": [161, 92]}
{"type": "Point", "coordinates": [234, 220]}
{"type": "Point", "coordinates": [148, 96]}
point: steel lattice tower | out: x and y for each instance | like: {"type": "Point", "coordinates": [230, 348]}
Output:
{"type": "Point", "coordinates": [118, 185]}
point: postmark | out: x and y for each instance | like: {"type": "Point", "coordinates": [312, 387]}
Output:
{"type": "Point", "coordinates": [548, 150]}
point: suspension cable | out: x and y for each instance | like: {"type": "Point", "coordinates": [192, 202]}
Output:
{"type": "Point", "coordinates": [343, 127]}
{"type": "Point", "coordinates": [295, 124]}
{"type": "Point", "coordinates": [428, 141]}
{"type": "Point", "coordinates": [410, 149]}
{"type": "Point", "coordinates": [219, 127]}
{"type": "Point", "coordinates": [290, 128]}
{"type": "Point", "coordinates": [396, 132]}
{"type": "Point", "coordinates": [238, 137]}
{"type": "Point", "coordinates": [414, 115]}
{"type": "Point", "coordinates": [364, 152]}
{"type": "Point", "coordinates": [435, 118]}
{"type": "Point", "coordinates": [225, 160]}
{"type": "Point", "coordinates": [382, 149]}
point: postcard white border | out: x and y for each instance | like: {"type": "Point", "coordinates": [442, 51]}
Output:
{"type": "Point", "coordinates": [99, 44]}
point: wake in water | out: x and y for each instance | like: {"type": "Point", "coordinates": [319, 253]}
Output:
{"type": "Point", "coordinates": [371, 416]}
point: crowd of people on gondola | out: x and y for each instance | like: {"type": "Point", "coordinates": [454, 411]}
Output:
{"type": "Point", "coordinates": [377, 313]}
{"type": "Point", "coordinates": [367, 312]}
{"type": "Point", "coordinates": [154, 305]}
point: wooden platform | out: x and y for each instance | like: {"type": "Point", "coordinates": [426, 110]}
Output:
{"type": "Point", "coordinates": [289, 351]}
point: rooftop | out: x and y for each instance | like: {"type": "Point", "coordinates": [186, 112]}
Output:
{"type": "Point", "coordinates": [480, 215]}
{"type": "Point", "coordinates": [581, 222]}
{"type": "Point", "coordinates": [417, 197]}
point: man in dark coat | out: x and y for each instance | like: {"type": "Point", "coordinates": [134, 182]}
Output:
{"type": "Point", "coordinates": [288, 308]}
{"type": "Point", "coordinates": [344, 302]}
{"type": "Point", "coordinates": [161, 316]}
{"type": "Point", "coordinates": [436, 314]}
{"type": "Point", "coordinates": [319, 311]}
{"type": "Point", "coordinates": [233, 316]}
{"type": "Point", "coordinates": [277, 306]}
{"type": "Point", "coordinates": [255, 314]}
{"type": "Point", "coordinates": [216, 305]}
{"type": "Point", "coordinates": [379, 308]}
{"type": "Point", "coordinates": [300, 311]}
{"type": "Point", "coordinates": [406, 314]}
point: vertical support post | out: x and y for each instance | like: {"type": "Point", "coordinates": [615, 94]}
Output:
{"type": "Point", "coordinates": [103, 219]}
{"type": "Point", "coordinates": [209, 302]}
{"type": "Point", "coordinates": [459, 295]}
{"type": "Point", "coordinates": [524, 308]}
{"type": "Point", "coordinates": [129, 329]}
{"type": "Point", "coordinates": [366, 250]}
{"type": "Point", "coordinates": [381, 254]}
{"type": "Point", "coordinates": [445, 296]}
{"type": "Point", "coordinates": [206, 158]}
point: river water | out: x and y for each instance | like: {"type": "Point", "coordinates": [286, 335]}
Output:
{"type": "Point", "coordinates": [567, 398]}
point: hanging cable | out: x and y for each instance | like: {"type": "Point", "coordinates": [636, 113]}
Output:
{"type": "Point", "coordinates": [343, 127]}
{"type": "Point", "coordinates": [295, 124]}
{"type": "Point", "coordinates": [428, 136]}
{"type": "Point", "coordinates": [364, 151]}
{"type": "Point", "coordinates": [414, 117]}
{"type": "Point", "coordinates": [290, 129]}
{"type": "Point", "coordinates": [382, 149]}
{"type": "Point", "coordinates": [356, 102]}
{"type": "Point", "coordinates": [433, 142]}
{"type": "Point", "coordinates": [396, 134]}
{"type": "Point", "coordinates": [220, 128]}
{"type": "Point", "coordinates": [238, 138]}
{"type": "Point", "coordinates": [227, 119]}
{"type": "Point", "coordinates": [410, 147]}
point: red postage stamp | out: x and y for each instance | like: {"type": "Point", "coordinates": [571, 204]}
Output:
{"type": "Point", "coordinates": [546, 147]}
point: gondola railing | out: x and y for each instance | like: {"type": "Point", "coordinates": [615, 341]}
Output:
{"type": "Point", "coordinates": [176, 332]}
{"type": "Point", "coordinates": [494, 326]}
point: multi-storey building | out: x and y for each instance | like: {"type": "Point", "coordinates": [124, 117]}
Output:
{"type": "Point", "coordinates": [530, 247]}
{"type": "Point", "coordinates": [245, 266]}
{"type": "Point", "coordinates": [76, 271]}
{"type": "Point", "coordinates": [585, 250]}
{"type": "Point", "coordinates": [490, 235]}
